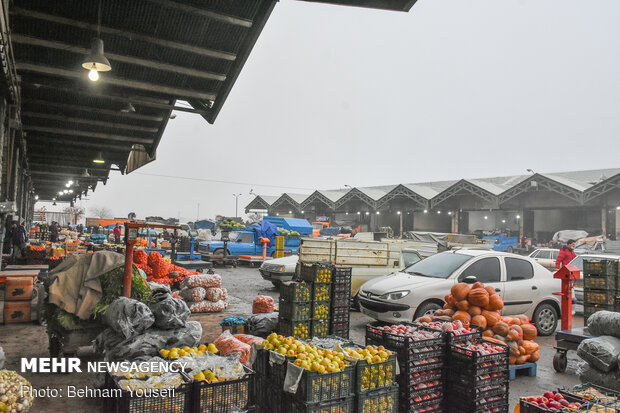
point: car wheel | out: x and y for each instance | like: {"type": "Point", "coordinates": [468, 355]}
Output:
{"type": "Point", "coordinates": [510, 250]}
{"type": "Point", "coordinates": [219, 252]}
{"type": "Point", "coordinates": [545, 319]}
{"type": "Point", "coordinates": [426, 309]}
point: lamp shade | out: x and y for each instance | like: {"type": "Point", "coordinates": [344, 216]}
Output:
{"type": "Point", "coordinates": [96, 60]}
{"type": "Point", "coordinates": [99, 158]}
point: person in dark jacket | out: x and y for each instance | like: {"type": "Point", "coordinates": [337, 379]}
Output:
{"type": "Point", "coordinates": [54, 232]}
{"type": "Point", "coordinates": [18, 240]}
{"type": "Point", "coordinates": [566, 254]}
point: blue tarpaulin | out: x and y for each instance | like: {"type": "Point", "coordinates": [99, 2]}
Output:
{"type": "Point", "coordinates": [267, 230]}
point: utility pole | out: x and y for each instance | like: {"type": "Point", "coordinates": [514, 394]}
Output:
{"type": "Point", "coordinates": [237, 204]}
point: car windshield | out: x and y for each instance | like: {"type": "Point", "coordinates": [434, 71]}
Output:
{"type": "Point", "coordinates": [439, 265]}
{"type": "Point", "coordinates": [410, 258]}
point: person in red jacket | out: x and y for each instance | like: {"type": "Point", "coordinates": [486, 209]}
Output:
{"type": "Point", "coordinates": [566, 254]}
{"type": "Point", "coordinates": [117, 234]}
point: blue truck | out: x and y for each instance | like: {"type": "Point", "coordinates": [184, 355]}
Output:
{"type": "Point", "coordinates": [248, 241]}
{"type": "Point", "coordinates": [501, 242]}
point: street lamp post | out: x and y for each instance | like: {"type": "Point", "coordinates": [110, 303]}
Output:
{"type": "Point", "coordinates": [236, 204]}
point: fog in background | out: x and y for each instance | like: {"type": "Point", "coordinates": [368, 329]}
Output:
{"type": "Point", "coordinates": [335, 95]}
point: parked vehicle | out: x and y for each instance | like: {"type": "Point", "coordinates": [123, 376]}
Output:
{"type": "Point", "coordinates": [546, 257]}
{"type": "Point", "coordinates": [317, 226]}
{"type": "Point", "coordinates": [248, 241]}
{"type": "Point", "coordinates": [525, 286]}
{"type": "Point", "coordinates": [501, 242]}
{"type": "Point", "coordinates": [578, 262]}
{"type": "Point", "coordinates": [279, 270]}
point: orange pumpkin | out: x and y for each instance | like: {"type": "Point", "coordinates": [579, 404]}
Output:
{"type": "Point", "coordinates": [529, 331]}
{"type": "Point", "coordinates": [515, 321]}
{"type": "Point", "coordinates": [446, 306]}
{"type": "Point", "coordinates": [445, 318]}
{"type": "Point", "coordinates": [485, 333]}
{"type": "Point", "coordinates": [462, 316]}
{"type": "Point", "coordinates": [449, 298]}
{"type": "Point", "coordinates": [535, 356]}
{"type": "Point", "coordinates": [523, 318]}
{"type": "Point", "coordinates": [494, 340]}
{"type": "Point", "coordinates": [474, 310]}
{"type": "Point", "coordinates": [492, 317]}
{"type": "Point", "coordinates": [459, 291]}
{"type": "Point", "coordinates": [479, 320]}
{"type": "Point", "coordinates": [463, 305]}
{"type": "Point", "coordinates": [530, 346]}
{"type": "Point", "coordinates": [512, 335]}
{"type": "Point", "coordinates": [507, 320]}
{"type": "Point", "coordinates": [495, 303]}
{"type": "Point", "coordinates": [448, 311]}
{"type": "Point", "coordinates": [501, 328]}
{"type": "Point", "coordinates": [490, 290]}
{"type": "Point", "coordinates": [522, 350]}
{"type": "Point", "coordinates": [425, 319]}
{"type": "Point", "coordinates": [479, 297]}
{"type": "Point", "coordinates": [523, 359]}
{"type": "Point", "coordinates": [513, 359]}
{"type": "Point", "coordinates": [477, 284]}
{"type": "Point", "coordinates": [518, 329]}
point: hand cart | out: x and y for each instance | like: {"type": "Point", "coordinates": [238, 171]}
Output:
{"type": "Point", "coordinates": [567, 340]}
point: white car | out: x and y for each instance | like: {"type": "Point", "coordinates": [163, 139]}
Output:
{"type": "Point", "coordinates": [525, 286]}
{"type": "Point", "coordinates": [279, 270]}
{"type": "Point", "coordinates": [546, 257]}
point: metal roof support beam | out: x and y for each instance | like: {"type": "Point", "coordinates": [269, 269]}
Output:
{"type": "Point", "coordinates": [92, 109]}
{"type": "Point", "coordinates": [402, 191]}
{"type": "Point", "coordinates": [123, 33]}
{"type": "Point", "coordinates": [601, 188]}
{"type": "Point", "coordinates": [77, 159]}
{"type": "Point", "coordinates": [132, 84]}
{"type": "Point", "coordinates": [285, 199]}
{"type": "Point", "coordinates": [544, 183]}
{"type": "Point", "coordinates": [33, 41]}
{"type": "Point", "coordinates": [318, 197]}
{"type": "Point", "coordinates": [38, 142]}
{"type": "Point", "coordinates": [468, 187]}
{"type": "Point", "coordinates": [356, 194]}
{"type": "Point", "coordinates": [113, 125]}
{"type": "Point", "coordinates": [63, 166]}
{"type": "Point", "coordinates": [237, 21]}
{"type": "Point", "coordinates": [88, 134]}
{"type": "Point", "coordinates": [257, 203]}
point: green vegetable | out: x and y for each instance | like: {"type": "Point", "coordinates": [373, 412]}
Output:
{"type": "Point", "coordinates": [112, 287]}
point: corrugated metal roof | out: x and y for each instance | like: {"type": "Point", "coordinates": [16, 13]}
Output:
{"type": "Point", "coordinates": [580, 181]}
{"type": "Point", "coordinates": [161, 51]}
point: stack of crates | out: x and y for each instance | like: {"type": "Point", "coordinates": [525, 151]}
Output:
{"type": "Point", "coordinates": [422, 366]}
{"type": "Point", "coordinates": [601, 286]}
{"type": "Point", "coordinates": [341, 302]}
{"type": "Point", "coordinates": [376, 388]}
{"type": "Point", "coordinates": [17, 299]}
{"type": "Point", "coordinates": [477, 382]}
{"type": "Point", "coordinates": [319, 275]}
{"type": "Point", "coordinates": [294, 318]}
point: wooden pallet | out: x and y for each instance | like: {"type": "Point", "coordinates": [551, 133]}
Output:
{"type": "Point", "coordinates": [528, 368]}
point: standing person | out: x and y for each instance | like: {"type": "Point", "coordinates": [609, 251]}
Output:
{"type": "Point", "coordinates": [18, 240]}
{"type": "Point", "coordinates": [117, 234]}
{"type": "Point", "coordinates": [566, 254]}
{"type": "Point", "coordinates": [53, 232]}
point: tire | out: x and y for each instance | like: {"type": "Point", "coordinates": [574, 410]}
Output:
{"type": "Point", "coordinates": [560, 361]}
{"type": "Point", "coordinates": [426, 308]}
{"type": "Point", "coordinates": [219, 252]}
{"type": "Point", "coordinates": [545, 319]}
{"type": "Point", "coordinates": [510, 250]}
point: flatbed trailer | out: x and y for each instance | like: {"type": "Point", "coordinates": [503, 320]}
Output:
{"type": "Point", "coordinates": [567, 340]}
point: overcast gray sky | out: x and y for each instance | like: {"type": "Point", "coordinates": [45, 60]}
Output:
{"type": "Point", "coordinates": [336, 95]}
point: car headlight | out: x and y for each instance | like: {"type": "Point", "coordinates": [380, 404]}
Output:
{"type": "Point", "coordinates": [395, 295]}
{"type": "Point", "coordinates": [281, 269]}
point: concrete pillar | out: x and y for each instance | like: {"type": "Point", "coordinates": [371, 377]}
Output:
{"type": "Point", "coordinates": [455, 222]}
{"type": "Point", "coordinates": [3, 132]}
{"type": "Point", "coordinates": [521, 219]}
{"type": "Point", "coordinates": [604, 221]}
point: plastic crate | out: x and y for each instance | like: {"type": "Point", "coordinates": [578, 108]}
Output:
{"type": "Point", "coordinates": [433, 405]}
{"type": "Point", "coordinates": [415, 400]}
{"type": "Point", "coordinates": [296, 291]}
{"type": "Point", "coordinates": [469, 380]}
{"type": "Point", "coordinates": [474, 361]}
{"type": "Point", "coordinates": [315, 272]}
{"type": "Point", "coordinates": [340, 314]}
{"type": "Point", "coordinates": [375, 334]}
{"type": "Point", "coordinates": [499, 405]}
{"type": "Point", "coordinates": [224, 396]}
{"type": "Point", "coordinates": [414, 357]}
{"type": "Point", "coordinates": [339, 329]}
{"type": "Point", "coordinates": [378, 401]}
{"type": "Point", "coordinates": [321, 292]}
{"type": "Point", "coordinates": [426, 379]}
{"type": "Point", "coordinates": [477, 393]}
{"type": "Point", "coordinates": [450, 336]}
{"type": "Point", "coordinates": [317, 387]}
{"type": "Point", "coordinates": [593, 394]}
{"type": "Point", "coordinates": [287, 328]}
{"type": "Point", "coordinates": [600, 282]}
{"type": "Point", "coordinates": [601, 267]}
{"type": "Point", "coordinates": [261, 363]}
{"type": "Point", "coordinates": [400, 342]}
{"type": "Point", "coordinates": [344, 405]}
{"type": "Point", "coordinates": [373, 376]}
{"type": "Point", "coordinates": [295, 310]}
{"type": "Point", "coordinates": [320, 310]}
{"type": "Point", "coordinates": [607, 297]}
{"type": "Point", "coordinates": [178, 402]}
{"type": "Point", "coordinates": [320, 327]}
{"type": "Point", "coordinates": [342, 273]}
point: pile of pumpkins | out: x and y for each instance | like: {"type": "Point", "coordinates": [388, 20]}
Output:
{"type": "Point", "coordinates": [477, 305]}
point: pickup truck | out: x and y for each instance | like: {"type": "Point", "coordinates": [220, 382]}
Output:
{"type": "Point", "coordinates": [502, 243]}
{"type": "Point", "coordinates": [368, 259]}
{"type": "Point", "coordinates": [248, 240]}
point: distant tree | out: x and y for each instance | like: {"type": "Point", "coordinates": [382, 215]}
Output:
{"type": "Point", "coordinates": [101, 212]}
